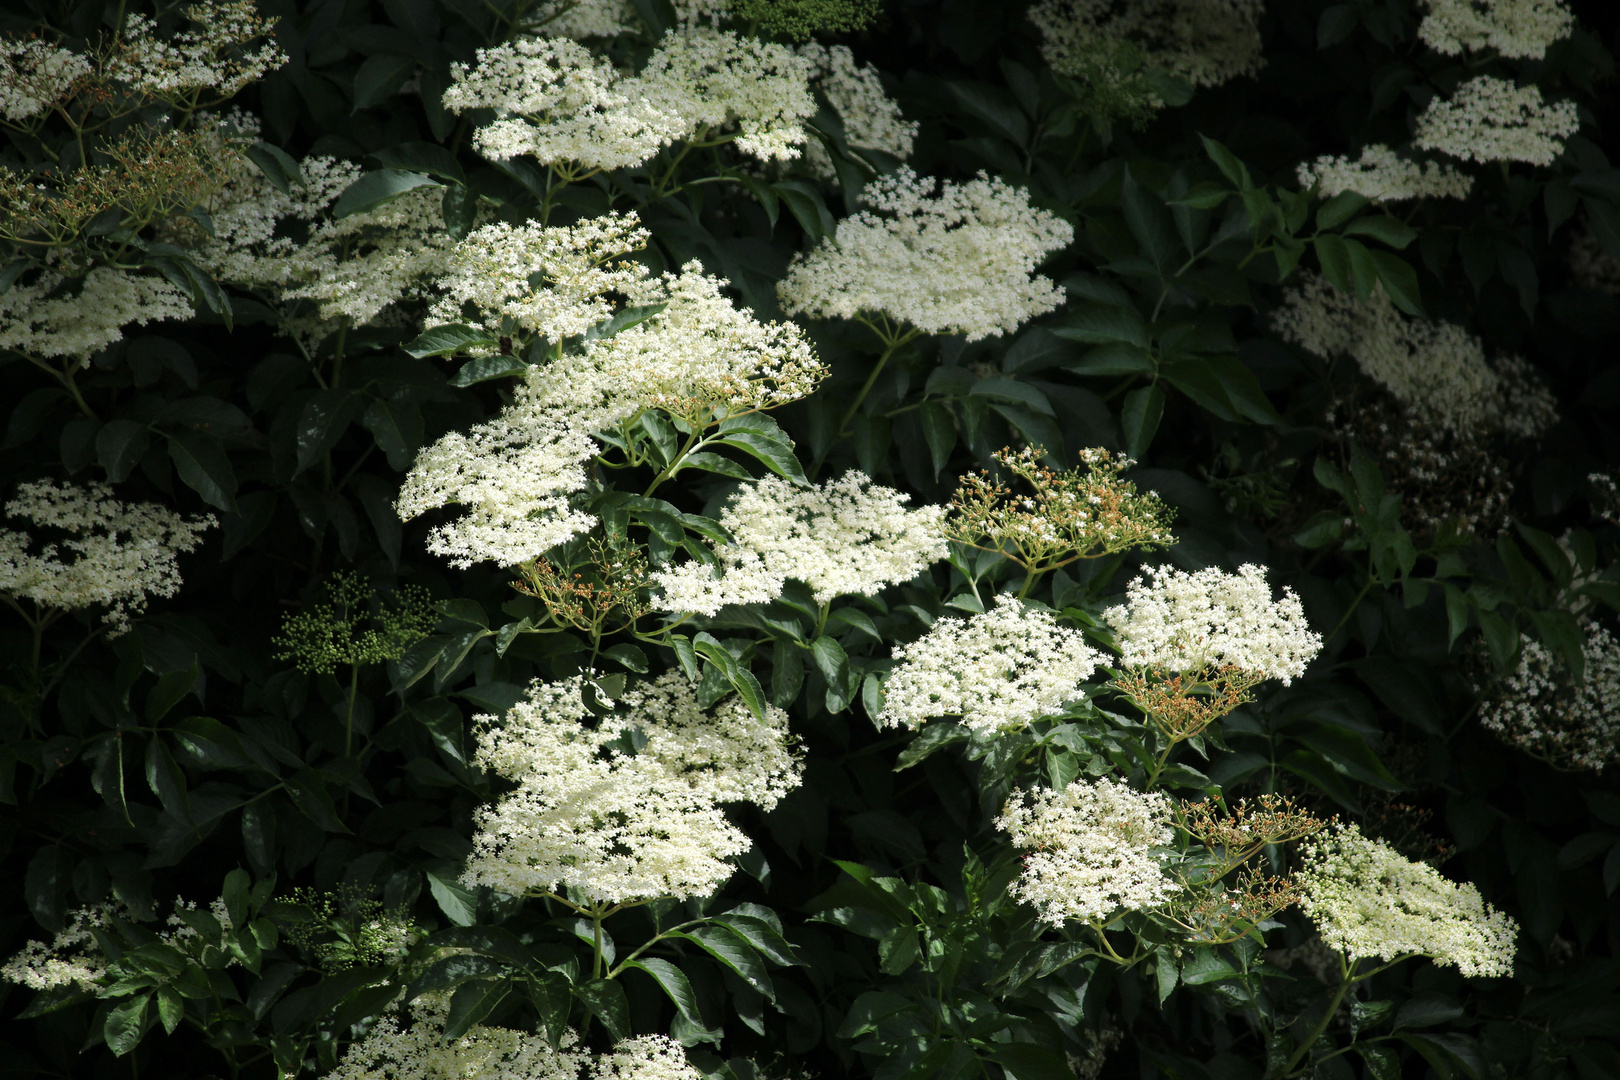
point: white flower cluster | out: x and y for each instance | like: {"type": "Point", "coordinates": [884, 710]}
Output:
{"type": "Point", "coordinates": [614, 826]}
{"type": "Point", "coordinates": [125, 552]}
{"type": "Point", "coordinates": [1436, 370]}
{"type": "Point", "coordinates": [1092, 850]}
{"type": "Point", "coordinates": [81, 324]}
{"type": "Point", "coordinates": [417, 1050]}
{"type": "Point", "coordinates": [559, 104]}
{"type": "Point", "coordinates": [1518, 28]}
{"type": "Point", "coordinates": [212, 54]}
{"type": "Point", "coordinates": [1381, 175]}
{"type": "Point", "coordinates": [848, 536]}
{"type": "Point", "coordinates": [997, 671]}
{"type": "Point", "coordinates": [871, 119]}
{"type": "Point", "coordinates": [1490, 119]}
{"type": "Point", "coordinates": [961, 261]}
{"type": "Point", "coordinates": [555, 281]}
{"type": "Point", "coordinates": [610, 18]}
{"type": "Point", "coordinates": [35, 75]}
{"type": "Point", "coordinates": [1541, 708]}
{"type": "Point", "coordinates": [1175, 621]}
{"type": "Point", "coordinates": [1206, 42]}
{"type": "Point", "coordinates": [1368, 900]}
{"type": "Point", "coordinates": [73, 958]}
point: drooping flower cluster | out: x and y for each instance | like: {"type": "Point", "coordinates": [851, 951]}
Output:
{"type": "Point", "coordinates": [1205, 42]}
{"type": "Point", "coordinates": [1518, 28]}
{"type": "Point", "coordinates": [1209, 620]}
{"type": "Point", "coordinates": [121, 553]}
{"type": "Point", "coordinates": [848, 536]}
{"type": "Point", "coordinates": [1491, 119]}
{"type": "Point", "coordinates": [1368, 900]}
{"type": "Point", "coordinates": [1436, 370]}
{"type": "Point", "coordinates": [73, 957]}
{"type": "Point", "coordinates": [1540, 707]}
{"type": "Point", "coordinates": [996, 671]}
{"type": "Point", "coordinates": [409, 1045]}
{"type": "Point", "coordinates": [871, 119]}
{"type": "Point", "coordinates": [559, 104]}
{"type": "Point", "coordinates": [211, 55]}
{"type": "Point", "coordinates": [1057, 516]}
{"type": "Point", "coordinates": [35, 75]}
{"type": "Point", "coordinates": [1381, 175]}
{"type": "Point", "coordinates": [87, 318]}
{"type": "Point", "coordinates": [959, 261]}
{"type": "Point", "coordinates": [616, 826]}
{"type": "Point", "coordinates": [1092, 850]}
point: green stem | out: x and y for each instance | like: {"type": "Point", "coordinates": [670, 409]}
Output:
{"type": "Point", "coordinates": [892, 345]}
{"type": "Point", "coordinates": [348, 723]}
{"type": "Point", "coordinates": [1345, 981]}
{"type": "Point", "coordinates": [1349, 611]}
{"type": "Point", "coordinates": [596, 943]}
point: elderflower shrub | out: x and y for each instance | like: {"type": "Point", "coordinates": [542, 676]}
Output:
{"type": "Point", "coordinates": [615, 827]}
{"type": "Point", "coordinates": [409, 1045]}
{"type": "Point", "coordinates": [72, 959]}
{"type": "Point", "coordinates": [1518, 28]}
{"type": "Point", "coordinates": [724, 87]}
{"type": "Point", "coordinates": [996, 671]}
{"type": "Point", "coordinates": [552, 281]}
{"type": "Point", "coordinates": [947, 258]}
{"type": "Point", "coordinates": [1093, 850]}
{"type": "Point", "coordinates": [1490, 119]}
{"type": "Point", "coordinates": [1208, 620]}
{"type": "Point", "coordinates": [1436, 370]}
{"type": "Point", "coordinates": [845, 537]}
{"type": "Point", "coordinates": [36, 75]}
{"type": "Point", "coordinates": [872, 120]}
{"type": "Point", "coordinates": [1540, 708]}
{"type": "Point", "coordinates": [121, 553]}
{"type": "Point", "coordinates": [1381, 175]}
{"type": "Point", "coordinates": [1205, 42]}
{"type": "Point", "coordinates": [1367, 900]}
{"type": "Point", "coordinates": [211, 55]}
{"type": "Point", "coordinates": [561, 105]}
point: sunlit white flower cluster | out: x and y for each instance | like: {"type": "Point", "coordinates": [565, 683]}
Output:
{"type": "Point", "coordinates": [871, 119]}
{"type": "Point", "coordinates": [1381, 175]}
{"type": "Point", "coordinates": [409, 1045]}
{"type": "Point", "coordinates": [848, 536]}
{"type": "Point", "coordinates": [1516, 28]}
{"type": "Point", "coordinates": [35, 75]}
{"type": "Point", "coordinates": [212, 54]}
{"type": "Point", "coordinates": [555, 281]}
{"type": "Point", "coordinates": [1175, 621]}
{"type": "Point", "coordinates": [72, 958]}
{"type": "Point", "coordinates": [618, 826]}
{"type": "Point", "coordinates": [123, 552]}
{"type": "Point", "coordinates": [1436, 370]}
{"type": "Point", "coordinates": [1491, 119]}
{"type": "Point", "coordinates": [1206, 42]}
{"type": "Point", "coordinates": [1541, 708]}
{"type": "Point", "coordinates": [1368, 900]}
{"type": "Point", "coordinates": [947, 258]}
{"type": "Point", "coordinates": [558, 103]}
{"type": "Point", "coordinates": [1092, 850]}
{"type": "Point", "coordinates": [83, 322]}
{"type": "Point", "coordinates": [997, 671]}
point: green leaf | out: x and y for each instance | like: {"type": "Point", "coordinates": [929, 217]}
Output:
{"type": "Point", "coordinates": [201, 463]}
{"type": "Point", "coordinates": [1226, 161]}
{"type": "Point", "coordinates": [673, 981]}
{"type": "Point", "coordinates": [760, 437]}
{"type": "Point", "coordinates": [623, 320]}
{"type": "Point", "coordinates": [472, 1003]}
{"type": "Point", "coordinates": [1150, 224]}
{"type": "Point", "coordinates": [485, 368]}
{"type": "Point", "coordinates": [1427, 1010]}
{"type": "Point", "coordinates": [450, 339]}
{"type": "Point", "coordinates": [379, 78]}
{"type": "Point", "coordinates": [422, 157]}
{"type": "Point", "coordinates": [1027, 1061]}
{"type": "Point", "coordinates": [397, 427]}
{"type": "Point", "coordinates": [805, 202]}
{"type": "Point", "coordinates": [1099, 324]}
{"type": "Point", "coordinates": [833, 664]}
{"type": "Point", "coordinates": [322, 422]}
{"type": "Point", "coordinates": [125, 1024]}
{"type": "Point", "coordinates": [1166, 976]}
{"type": "Point", "coordinates": [1334, 257]}
{"type": "Point", "coordinates": [1113, 361]}
{"type": "Point", "coordinates": [741, 679]}
{"type": "Point", "coordinates": [606, 1001]}
{"type": "Point", "coordinates": [277, 165]}
{"type": "Point", "coordinates": [1140, 419]}
{"type": "Point", "coordinates": [1399, 281]}
{"type": "Point", "coordinates": [1382, 1061]}
{"type": "Point", "coordinates": [377, 189]}
{"type": "Point", "coordinates": [1392, 231]}
{"type": "Point", "coordinates": [1339, 209]}
{"type": "Point", "coordinates": [732, 950]}
{"type": "Point", "coordinates": [932, 737]}
{"type": "Point", "coordinates": [171, 1010]}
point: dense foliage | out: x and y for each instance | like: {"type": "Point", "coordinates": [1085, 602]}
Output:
{"type": "Point", "coordinates": [817, 537]}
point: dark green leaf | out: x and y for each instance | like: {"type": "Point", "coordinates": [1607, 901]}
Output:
{"type": "Point", "coordinates": [377, 189]}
